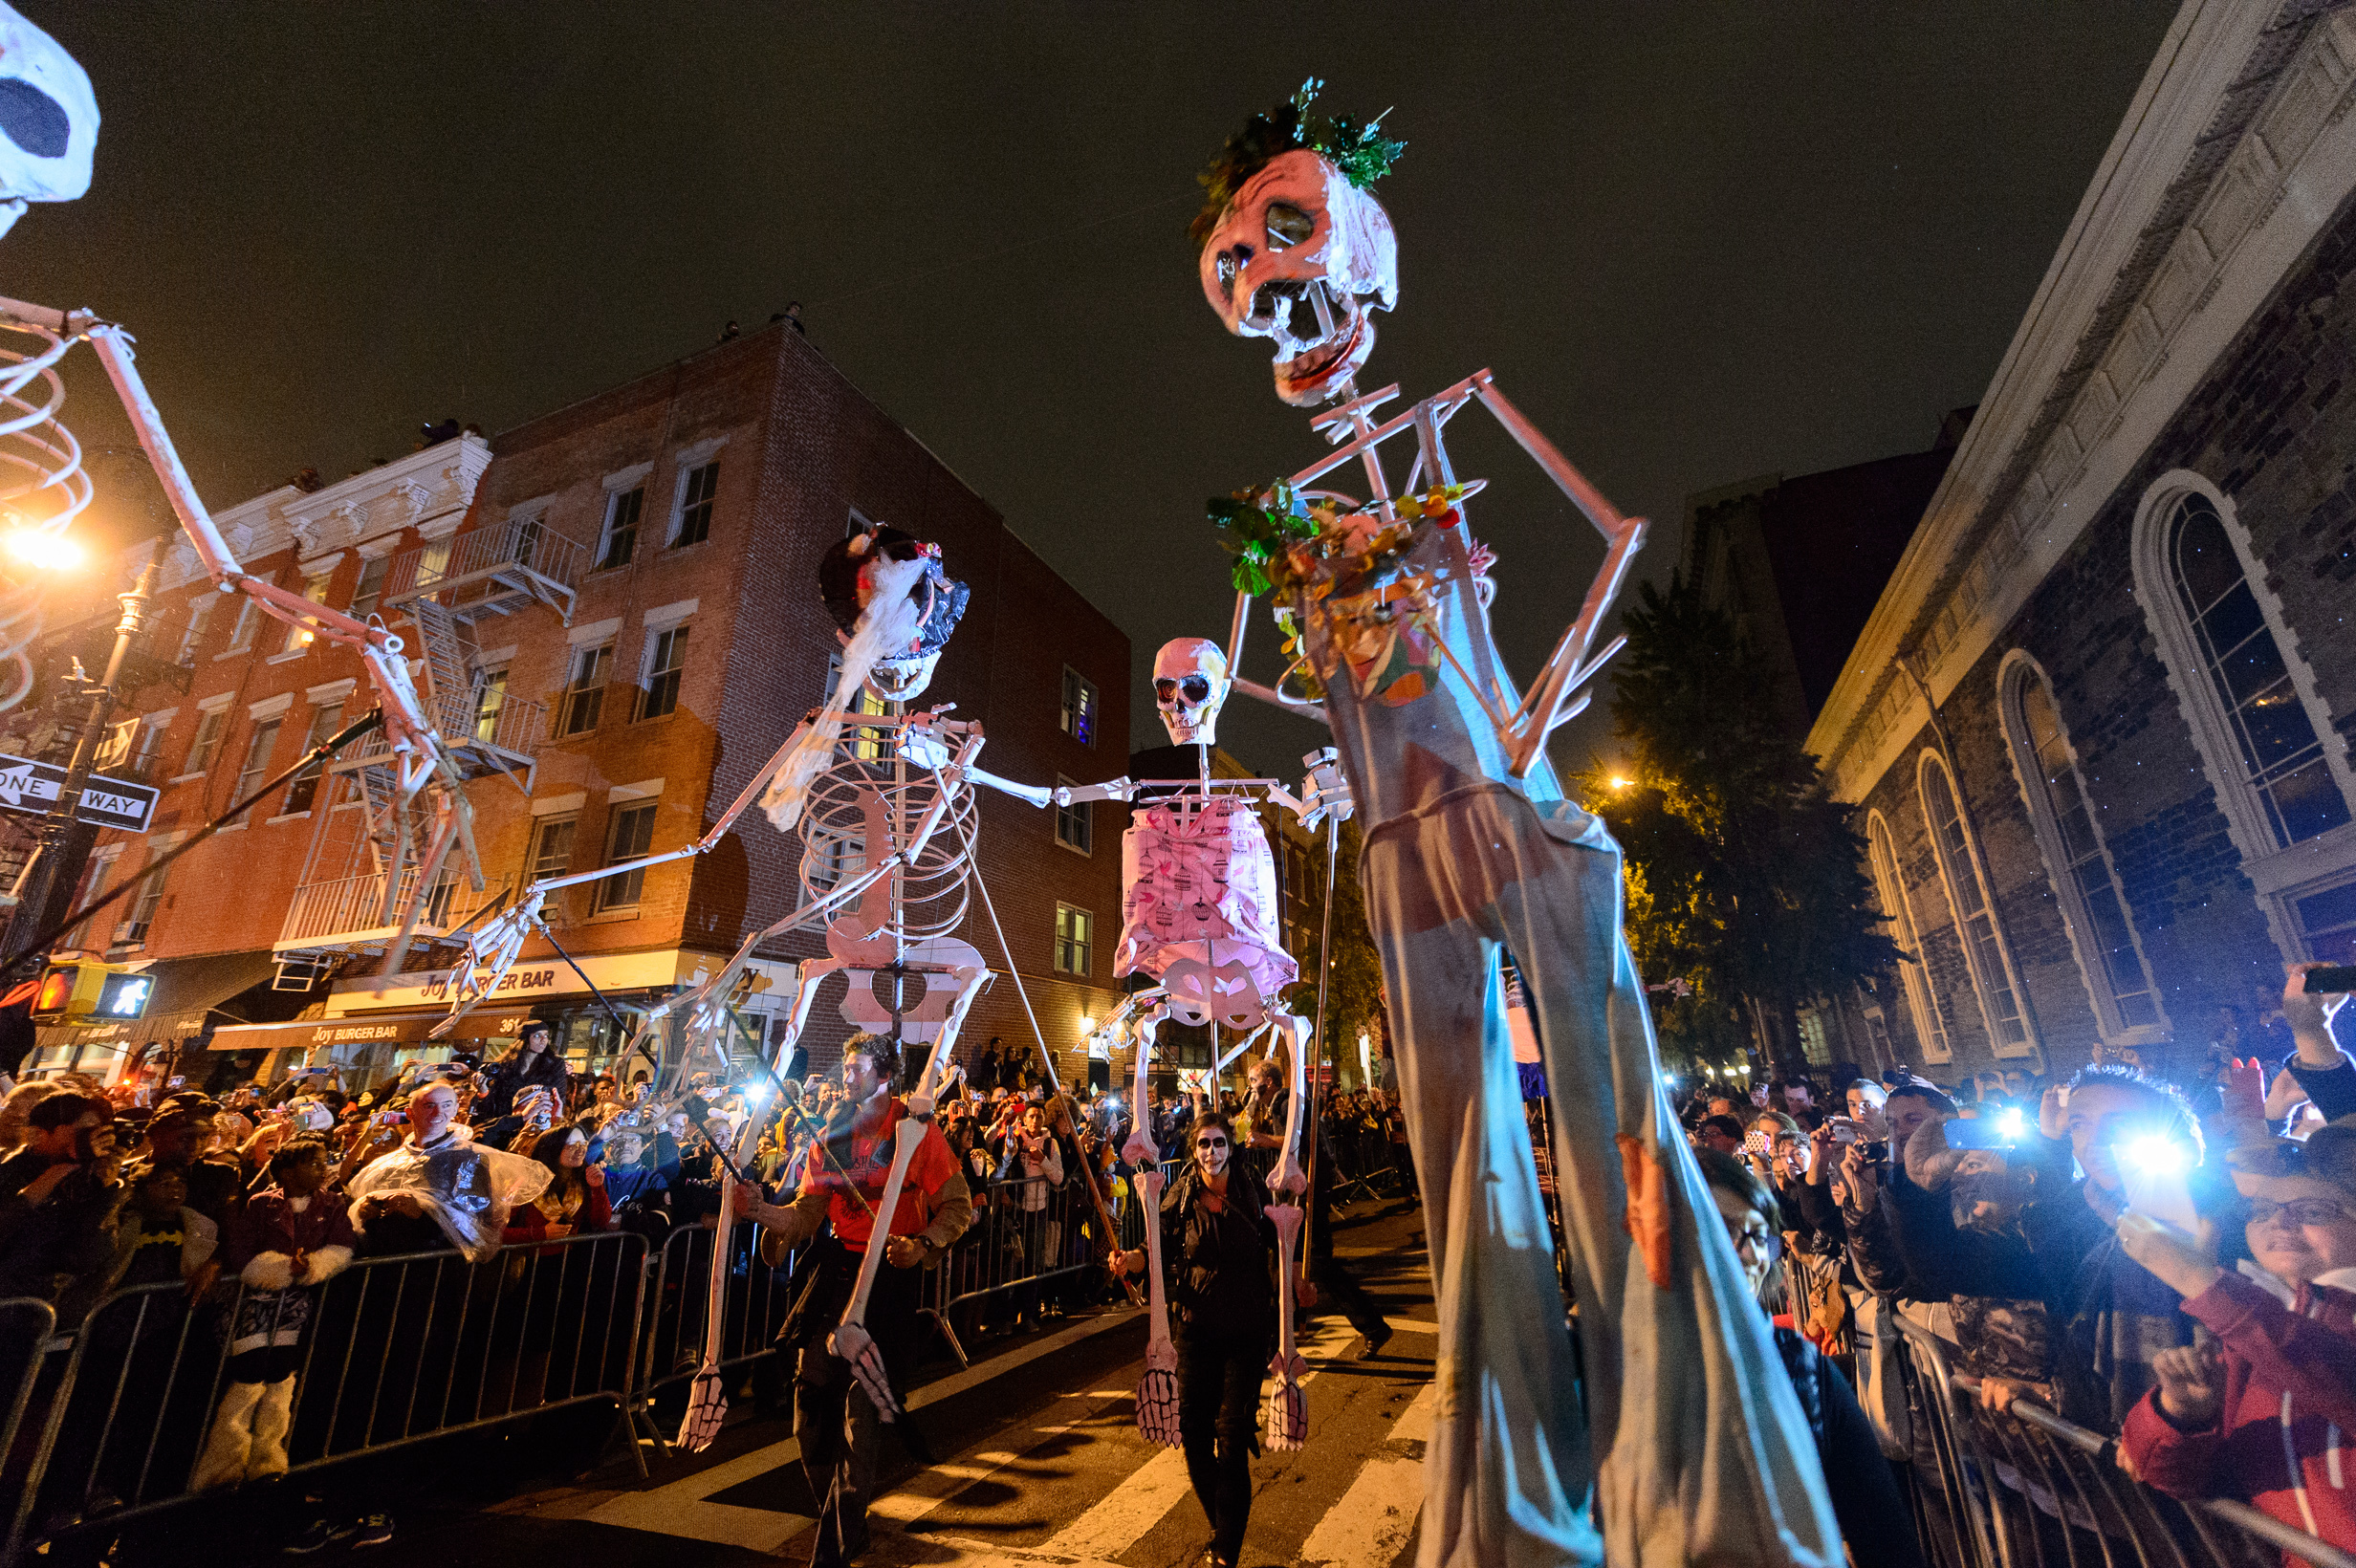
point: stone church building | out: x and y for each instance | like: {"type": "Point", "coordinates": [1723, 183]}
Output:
{"type": "Point", "coordinates": [2099, 719]}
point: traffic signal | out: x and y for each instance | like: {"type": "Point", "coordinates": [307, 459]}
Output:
{"type": "Point", "coordinates": [86, 992]}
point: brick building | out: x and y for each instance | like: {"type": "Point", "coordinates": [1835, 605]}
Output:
{"type": "Point", "coordinates": [615, 612]}
{"type": "Point", "coordinates": [2099, 720]}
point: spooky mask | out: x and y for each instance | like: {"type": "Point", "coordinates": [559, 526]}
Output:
{"type": "Point", "coordinates": [49, 120]}
{"type": "Point", "coordinates": [1212, 1146]}
{"type": "Point", "coordinates": [1301, 256]}
{"type": "Point", "coordinates": [1189, 685]}
{"type": "Point", "coordinates": [849, 577]}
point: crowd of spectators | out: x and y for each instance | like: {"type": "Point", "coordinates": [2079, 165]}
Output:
{"type": "Point", "coordinates": [2169, 1264]}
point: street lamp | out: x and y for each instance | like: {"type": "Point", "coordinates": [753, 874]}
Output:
{"type": "Point", "coordinates": [42, 550]}
{"type": "Point", "coordinates": [1620, 783]}
{"type": "Point", "coordinates": [1087, 1025]}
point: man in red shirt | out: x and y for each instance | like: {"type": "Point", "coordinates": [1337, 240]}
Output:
{"type": "Point", "coordinates": [843, 1181]}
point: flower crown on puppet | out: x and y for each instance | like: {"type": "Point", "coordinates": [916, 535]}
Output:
{"type": "Point", "coordinates": [847, 583]}
{"type": "Point", "coordinates": [1360, 152]}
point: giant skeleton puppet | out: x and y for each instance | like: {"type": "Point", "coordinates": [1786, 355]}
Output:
{"type": "Point", "coordinates": [1198, 916]}
{"type": "Point", "coordinates": [48, 127]}
{"type": "Point", "coordinates": [1685, 1443]}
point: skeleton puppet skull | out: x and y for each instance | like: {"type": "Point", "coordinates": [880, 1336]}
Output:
{"type": "Point", "coordinates": [1301, 256]}
{"type": "Point", "coordinates": [1189, 686]}
{"type": "Point", "coordinates": [846, 579]}
{"type": "Point", "coordinates": [49, 120]}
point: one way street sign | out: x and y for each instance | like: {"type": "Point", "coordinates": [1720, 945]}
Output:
{"type": "Point", "coordinates": [31, 788]}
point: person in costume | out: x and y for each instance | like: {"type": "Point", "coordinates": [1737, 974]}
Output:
{"type": "Point", "coordinates": [1220, 1253]}
{"type": "Point", "coordinates": [842, 1182]}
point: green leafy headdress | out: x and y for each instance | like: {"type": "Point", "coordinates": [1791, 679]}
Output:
{"type": "Point", "coordinates": [1360, 152]}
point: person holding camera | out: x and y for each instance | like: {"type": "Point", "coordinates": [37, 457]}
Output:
{"type": "Point", "coordinates": [57, 1197]}
{"type": "Point", "coordinates": [2318, 1073]}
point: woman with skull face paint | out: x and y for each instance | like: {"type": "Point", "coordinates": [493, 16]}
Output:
{"type": "Point", "coordinates": [1220, 1249]}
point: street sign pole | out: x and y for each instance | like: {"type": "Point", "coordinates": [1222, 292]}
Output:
{"type": "Point", "coordinates": [64, 848]}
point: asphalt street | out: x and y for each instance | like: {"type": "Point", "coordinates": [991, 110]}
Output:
{"type": "Point", "coordinates": [1039, 1461]}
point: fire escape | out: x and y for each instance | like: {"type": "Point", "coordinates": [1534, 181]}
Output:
{"type": "Point", "coordinates": [342, 907]}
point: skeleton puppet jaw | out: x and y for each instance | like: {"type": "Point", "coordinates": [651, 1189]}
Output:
{"type": "Point", "coordinates": [1190, 687]}
{"type": "Point", "coordinates": [1301, 256]}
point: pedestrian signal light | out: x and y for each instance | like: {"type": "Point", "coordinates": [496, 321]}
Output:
{"type": "Point", "coordinates": [91, 992]}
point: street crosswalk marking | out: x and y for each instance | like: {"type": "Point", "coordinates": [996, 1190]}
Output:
{"type": "Point", "coordinates": [1374, 1518]}
{"type": "Point", "coordinates": [1369, 1526]}
{"type": "Point", "coordinates": [684, 1508]}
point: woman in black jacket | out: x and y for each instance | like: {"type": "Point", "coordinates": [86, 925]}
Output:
{"type": "Point", "coordinates": [1218, 1255]}
{"type": "Point", "coordinates": [1865, 1500]}
{"type": "Point", "coordinates": [532, 1063]}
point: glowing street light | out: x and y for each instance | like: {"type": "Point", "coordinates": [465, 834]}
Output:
{"type": "Point", "coordinates": [1620, 783]}
{"type": "Point", "coordinates": [1087, 1025]}
{"type": "Point", "coordinates": [43, 551]}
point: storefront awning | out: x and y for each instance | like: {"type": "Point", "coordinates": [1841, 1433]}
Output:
{"type": "Point", "coordinates": [189, 994]}
{"type": "Point", "coordinates": [344, 1034]}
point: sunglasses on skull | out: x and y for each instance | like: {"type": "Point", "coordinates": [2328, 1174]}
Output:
{"type": "Point", "coordinates": [1195, 688]}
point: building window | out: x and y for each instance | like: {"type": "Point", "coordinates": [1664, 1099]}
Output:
{"type": "Point", "coordinates": [626, 838]}
{"type": "Point", "coordinates": [866, 743]}
{"type": "Point", "coordinates": [619, 541]}
{"type": "Point", "coordinates": [2277, 750]}
{"type": "Point", "coordinates": [2077, 863]}
{"type": "Point", "coordinates": [1074, 936]}
{"type": "Point", "coordinates": [666, 656]}
{"type": "Point", "coordinates": [827, 859]}
{"type": "Point", "coordinates": [695, 493]}
{"type": "Point", "coordinates": [1973, 912]}
{"type": "Point", "coordinates": [1074, 829]}
{"type": "Point", "coordinates": [433, 561]}
{"type": "Point", "coordinates": [315, 589]}
{"type": "Point", "coordinates": [373, 571]}
{"type": "Point", "coordinates": [552, 847]}
{"type": "Point", "coordinates": [143, 903]}
{"type": "Point", "coordinates": [210, 726]}
{"type": "Point", "coordinates": [257, 768]}
{"type": "Point", "coordinates": [1079, 717]}
{"type": "Point", "coordinates": [489, 702]}
{"type": "Point", "coordinates": [199, 612]}
{"type": "Point", "coordinates": [2328, 924]}
{"type": "Point", "coordinates": [325, 720]}
{"type": "Point", "coordinates": [99, 871]}
{"type": "Point", "coordinates": [584, 699]}
{"type": "Point", "coordinates": [144, 748]}
{"type": "Point", "coordinates": [1922, 998]}
{"type": "Point", "coordinates": [241, 635]}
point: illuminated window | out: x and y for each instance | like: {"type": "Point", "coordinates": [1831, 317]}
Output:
{"type": "Point", "coordinates": [1075, 938]}
{"type": "Point", "coordinates": [489, 702]}
{"type": "Point", "coordinates": [1973, 911]}
{"type": "Point", "coordinates": [1922, 999]}
{"type": "Point", "coordinates": [2078, 865]}
{"type": "Point", "coordinates": [315, 589]}
{"type": "Point", "coordinates": [1078, 715]}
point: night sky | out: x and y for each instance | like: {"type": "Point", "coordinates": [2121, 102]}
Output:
{"type": "Point", "coordinates": [1696, 243]}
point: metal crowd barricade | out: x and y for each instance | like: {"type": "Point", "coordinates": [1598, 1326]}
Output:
{"type": "Point", "coordinates": [678, 1297]}
{"type": "Point", "coordinates": [2037, 1490]}
{"type": "Point", "coordinates": [1011, 1247]}
{"type": "Point", "coordinates": [389, 1353]}
{"type": "Point", "coordinates": [26, 1325]}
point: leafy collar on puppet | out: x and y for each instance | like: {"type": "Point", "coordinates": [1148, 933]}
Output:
{"type": "Point", "coordinates": [1360, 152]}
{"type": "Point", "coordinates": [1278, 538]}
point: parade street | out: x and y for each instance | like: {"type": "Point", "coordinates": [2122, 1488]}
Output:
{"type": "Point", "coordinates": [1039, 1461]}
